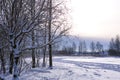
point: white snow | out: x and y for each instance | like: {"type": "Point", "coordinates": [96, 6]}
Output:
{"type": "Point", "coordinates": [76, 68]}
{"type": "Point", "coordinates": [109, 60]}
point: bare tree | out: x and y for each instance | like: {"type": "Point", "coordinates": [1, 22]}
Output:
{"type": "Point", "coordinates": [74, 47]}
{"type": "Point", "coordinates": [92, 47]}
{"type": "Point", "coordinates": [80, 47]}
{"type": "Point", "coordinates": [49, 34]}
{"type": "Point", "coordinates": [117, 43]}
{"type": "Point", "coordinates": [57, 24]}
{"type": "Point", "coordinates": [20, 18]}
{"type": "Point", "coordinates": [45, 47]}
{"type": "Point", "coordinates": [99, 47]}
{"type": "Point", "coordinates": [16, 23]}
{"type": "Point", "coordinates": [112, 44]}
{"type": "Point", "coordinates": [84, 47]}
{"type": "Point", "coordinates": [33, 33]}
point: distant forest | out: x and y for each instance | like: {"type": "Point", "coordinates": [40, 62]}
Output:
{"type": "Point", "coordinates": [93, 49]}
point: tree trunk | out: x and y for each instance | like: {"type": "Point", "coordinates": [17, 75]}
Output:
{"type": "Point", "coordinates": [3, 65]}
{"type": "Point", "coordinates": [33, 59]}
{"type": "Point", "coordinates": [44, 49]}
{"type": "Point", "coordinates": [33, 33]}
{"type": "Point", "coordinates": [11, 63]}
{"type": "Point", "coordinates": [2, 62]}
{"type": "Point", "coordinates": [16, 55]}
{"type": "Point", "coordinates": [15, 76]}
{"type": "Point", "coordinates": [44, 54]}
{"type": "Point", "coordinates": [49, 38]}
{"type": "Point", "coordinates": [33, 50]}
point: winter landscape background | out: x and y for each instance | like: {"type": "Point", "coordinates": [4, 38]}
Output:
{"type": "Point", "coordinates": [59, 40]}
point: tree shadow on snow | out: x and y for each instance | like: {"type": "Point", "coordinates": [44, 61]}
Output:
{"type": "Point", "coordinates": [33, 73]}
{"type": "Point", "coordinates": [91, 65]}
{"type": "Point", "coordinates": [40, 70]}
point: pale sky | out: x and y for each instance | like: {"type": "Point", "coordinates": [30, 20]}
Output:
{"type": "Point", "coordinates": [96, 18]}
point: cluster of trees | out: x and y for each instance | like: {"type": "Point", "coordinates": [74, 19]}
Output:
{"type": "Point", "coordinates": [29, 26]}
{"type": "Point", "coordinates": [69, 49]}
{"type": "Point", "coordinates": [82, 49]}
{"type": "Point", "coordinates": [94, 48]}
{"type": "Point", "coordinates": [98, 47]}
{"type": "Point", "coordinates": [114, 46]}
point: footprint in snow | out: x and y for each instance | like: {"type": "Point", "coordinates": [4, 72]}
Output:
{"type": "Point", "coordinates": [104, 71]}
{"type": "Point", "coordinates": [84, 75]}
{"type": "Point", "coordinates": [96, 74]}
{"type": "Point", "coordinates": [70, 72]}
{"type": "Point", "coordinates": [86, 70]}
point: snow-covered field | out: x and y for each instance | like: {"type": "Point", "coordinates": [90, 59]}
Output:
{"type": "Point", "coordinates": [77, 68]}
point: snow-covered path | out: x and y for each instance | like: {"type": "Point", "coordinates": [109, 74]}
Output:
{"type": "Point", "coordinates": [77, 68]}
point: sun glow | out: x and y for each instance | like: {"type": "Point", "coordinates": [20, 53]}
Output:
{"type": "Point", "coordinates": [93, 18]}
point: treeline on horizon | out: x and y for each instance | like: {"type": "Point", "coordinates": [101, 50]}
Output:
{"type": "Point", "coordinates": [93, 49]}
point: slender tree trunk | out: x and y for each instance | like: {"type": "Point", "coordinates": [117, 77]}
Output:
{"type": "Point", "coordinates": [3, 65]}
{"type": "Point", "coordinates": [44, 49]}
{"type": "Point", "coordinates": [44, 55]}
{"type": "Point", "coordinates": [33, 59]}
{"type": "Point", "coordinates": [33, 50]}
{"type": "Point", "coordinates": [16, 55]}
{"type": "Point", "coordinates": [49, 38]}
{"type": "Point", "coordinates": [11, 63]}
{"type": "Point", "coordinates": [15, 76]}
{"type": "Point", "coordinates": [2, 62]}
{"type": "Point", "coordinates": [33, 33]}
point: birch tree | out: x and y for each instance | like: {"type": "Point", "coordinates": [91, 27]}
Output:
{"type": "Point", "coordinates": [18, 20]}
{"type": "Point", "coordinates": [15, 21]}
